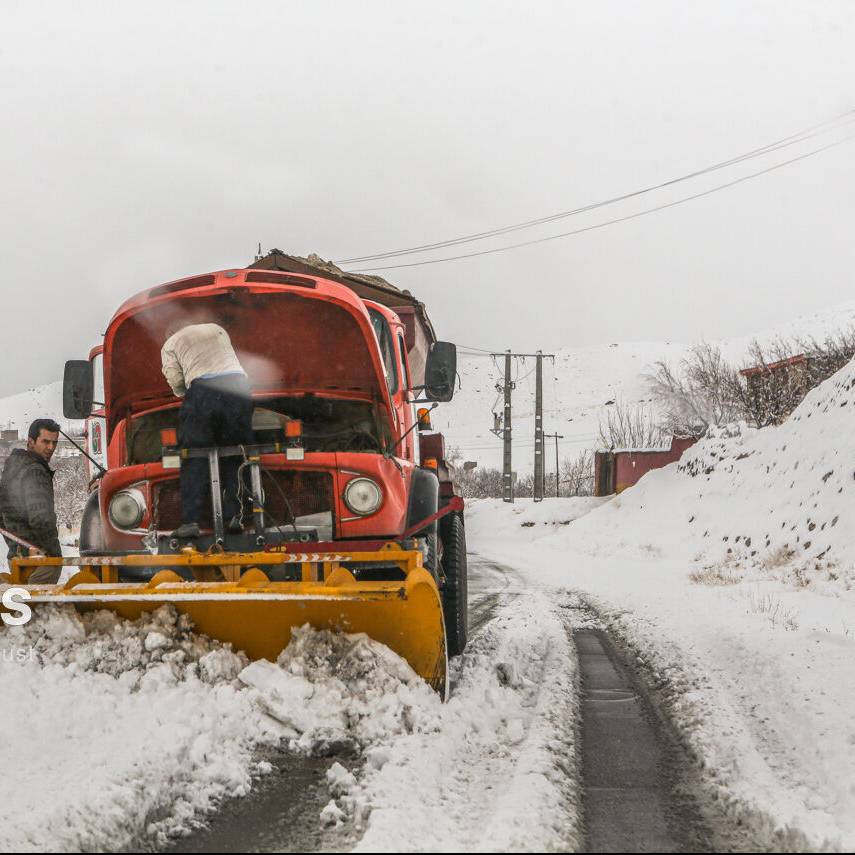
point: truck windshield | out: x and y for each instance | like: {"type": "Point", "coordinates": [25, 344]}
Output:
{"type": "Point", "coordinates": [384, 339]}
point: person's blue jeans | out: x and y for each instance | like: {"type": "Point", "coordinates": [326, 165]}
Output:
{"type": "Point", "coordinates": [215, 411]}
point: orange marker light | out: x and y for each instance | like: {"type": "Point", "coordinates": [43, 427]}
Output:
{"type": "Point", "coordinates": [423, 415]}
{"type": "Point", "coordinates": [169, 437]}
{"type": "Point", "coordinates": [430, 463]}
{"type": "Point", "coordinates": [294, 428]}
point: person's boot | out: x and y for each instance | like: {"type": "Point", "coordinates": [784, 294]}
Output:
{"type": "Point", "coordinates": [187, 530]}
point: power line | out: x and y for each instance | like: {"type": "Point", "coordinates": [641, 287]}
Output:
{"type": "Point", "coordinates": [478, 349]}
{"type": "Point", "coordinates": [792, 139]}
{"type": "Point", "coordinates": [623, 219]}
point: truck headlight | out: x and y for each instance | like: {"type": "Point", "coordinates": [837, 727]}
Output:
{"type": "Point", "coordinates": [127, 508]}
{"type": "Point", "coordinates": [363, 496]}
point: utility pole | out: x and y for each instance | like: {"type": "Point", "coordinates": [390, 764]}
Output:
{"type": "Point", "coordinates": [507, 387]}
{"type": "Point", "coordinates": [507, 470]}
{"type": "Point", "coordinates": [538, 485]}
{"type": "Point", "coordinates": [556, 437]}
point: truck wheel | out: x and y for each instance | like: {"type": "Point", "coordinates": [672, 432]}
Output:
{"type": "Point", "coordinates": [455, 599]}
{"type": "Point", "coordinates": [91, 535]}
{"type": "Point", "coordinates": [431, 561]}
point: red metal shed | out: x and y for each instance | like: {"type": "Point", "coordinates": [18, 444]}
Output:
{"type": "Point", "coordinates": [620, 468]}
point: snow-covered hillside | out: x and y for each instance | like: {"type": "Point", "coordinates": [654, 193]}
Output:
{"type": "Point", "coordinates": [578, 387]}
{"type": "Point", "coordinates": [17, 411]}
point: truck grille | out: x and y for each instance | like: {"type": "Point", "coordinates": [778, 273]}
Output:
{"type": "Point", "coordinates": [306, 493]}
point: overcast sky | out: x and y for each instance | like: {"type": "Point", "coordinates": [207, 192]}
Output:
{"type": "Point", "coordinates": [145, 142]}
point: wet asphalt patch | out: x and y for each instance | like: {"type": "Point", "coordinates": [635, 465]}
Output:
{"type": "Point", "coordinates": [282, 814]}
{"type": "Point", "coordinates": [632, 799]}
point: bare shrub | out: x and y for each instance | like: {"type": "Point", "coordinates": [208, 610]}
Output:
{"type": "Point", "coordinates": [771, 607]}
{"type": "Point", "coordinates": [577, 475]}
{"type": "Point", "coordinates": [705, 391]}
{"type": "Point", "coordinates": [480, 483]}
{"type": "Point", "coordinates": [784, 388]}
{"type": "Point", "coordinates": [577, 478]}
{"type": "Point", "coordinates": [780, 556]}
{"type": "Point", "coordinates": [828, 356]}
{"type": "Point", "coordinates": [715, 575]}
{"type": "Point", "coordinates": [524, 487]}
{"type": "Point", "coordinates": [768, 398]}
{"type": "Point", "coordinates": [630, 426]}
{"type": "Point", "coordinates": [70, 490]}
{"type": "Point", "coordinates": [473, 482]}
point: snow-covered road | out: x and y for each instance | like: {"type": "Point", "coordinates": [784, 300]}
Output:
{"type": "Point", "coordinates": [143, 727]}
{"type": "Point", "coordinates": [132, 732]}
{"type": "Point", "coordinates": [500, 767]}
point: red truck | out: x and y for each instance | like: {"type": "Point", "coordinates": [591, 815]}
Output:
{"type": "Point", "coordinates": [338, 365]}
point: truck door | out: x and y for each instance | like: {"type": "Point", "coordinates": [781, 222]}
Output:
{"type": "Point", "coordinates": [96, 424]}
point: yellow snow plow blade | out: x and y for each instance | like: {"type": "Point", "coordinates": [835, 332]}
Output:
{"type": "Point", "coordinates": [244, 607]}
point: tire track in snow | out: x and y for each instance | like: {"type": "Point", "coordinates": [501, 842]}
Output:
{"type": "Point", "coordinates": [488, 580]}
{"type": "Point", "coordinates": [499, 771]}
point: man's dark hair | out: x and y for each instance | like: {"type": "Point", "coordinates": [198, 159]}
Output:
{"type": "Point", "coordinates": [42, 424]}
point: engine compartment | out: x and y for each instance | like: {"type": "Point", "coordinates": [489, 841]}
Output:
{"type": "Point", "coordinates": [329, 425]}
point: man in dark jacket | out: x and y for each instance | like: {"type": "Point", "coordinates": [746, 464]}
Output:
{"type": "Point", "coordinates": [26, 498]}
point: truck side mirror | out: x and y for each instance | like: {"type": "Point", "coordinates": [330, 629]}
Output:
{"type": "Point", "coordinates": [441, 371]}
{"type": "Point", "coordinates": [78, 389]}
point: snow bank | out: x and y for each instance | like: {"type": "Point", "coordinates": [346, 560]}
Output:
{"type": "Point", "coordinates": [337, 692]}
{"type": "Point", "coordinates": [118, 734]}
{"type": "Point", "coordinates": [776, 501]}
{"type": "Point", "coordinates": [493, 769]}
{"type": "Point", "coordinates": [730, 575]}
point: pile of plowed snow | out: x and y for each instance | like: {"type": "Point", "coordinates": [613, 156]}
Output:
{"type": "Point", "coordinates": [124, 734]}
{"type": "Point", "coordinates": [118, 734]}
{"type": "Point", "coordinates": [493, 769]}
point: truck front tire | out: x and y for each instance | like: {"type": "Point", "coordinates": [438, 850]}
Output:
{"type": "Point", "coordinates": [455, 590]}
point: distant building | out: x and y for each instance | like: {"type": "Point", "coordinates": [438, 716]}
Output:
{"type": "Point", "coordinates": [794, 367]}
{"type": "Point", "coordinates": [620, 468]}
{"type": "Point", "coordinates": [776, 388]}
{"type": "Point", "coordinates": [66, 448]}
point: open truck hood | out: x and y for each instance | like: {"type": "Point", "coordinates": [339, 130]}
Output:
{"type": "Point", "coordinates": [299, 338]}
